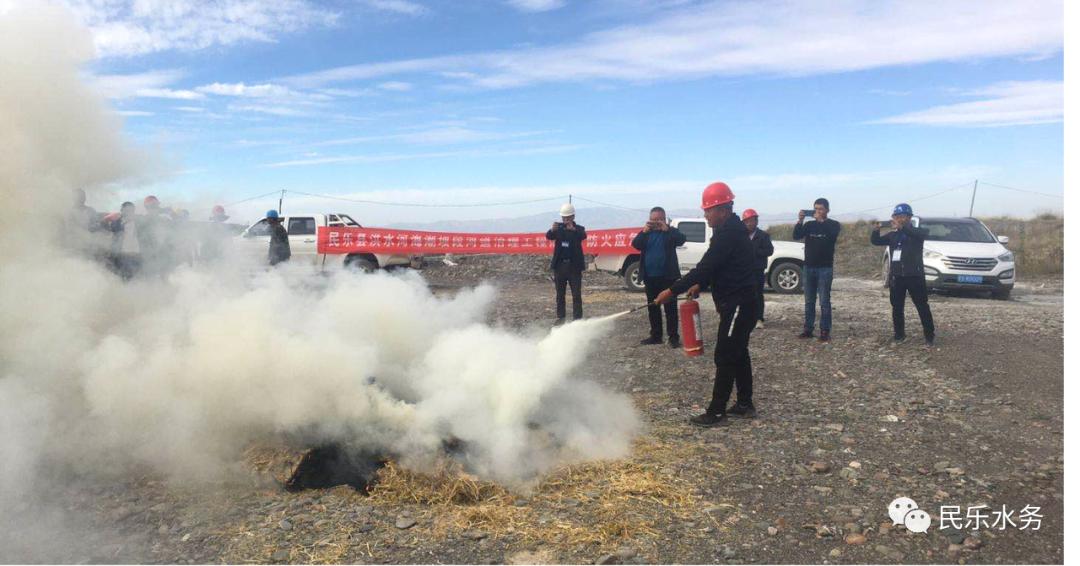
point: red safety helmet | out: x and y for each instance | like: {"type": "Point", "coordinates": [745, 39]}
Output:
{"type": "Point", "coordinates": [151, 200]}
{"type": "Point", "coordinates": [218, 210]}
{"type": "Point", "coordinates": [716, 194]}
{"type": "Point", "coordinates": [748, 214]}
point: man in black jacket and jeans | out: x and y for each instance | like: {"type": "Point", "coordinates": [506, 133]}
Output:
{"type": "Point", "coordinates": [659, 268]}
{"type": "Point", "coordinates": [820, 235]}
{"type": "Point", "coordinates": [567, 261]}
{"type": "Point", "coordinates": [906, 273]}
{"type": "Point", "coordinates": [728, 270]}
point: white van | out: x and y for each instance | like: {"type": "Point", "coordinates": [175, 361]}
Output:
{"type": "Point", "coordinates": [302, 229]}
{"type": "Point", "coordinates": [783, 273]}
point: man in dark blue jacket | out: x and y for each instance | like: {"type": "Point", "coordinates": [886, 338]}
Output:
{"type": "Point", "coordinates": [728, 270]}
{"type": "Point", "coordinates": [659, 268]}
{"type": "Point", "coordinates": [567, 261]}
{"type": "Point", "coordinates": [906, 272]}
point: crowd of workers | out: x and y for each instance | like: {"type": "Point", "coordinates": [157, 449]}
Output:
{"type": "Point", "coordinates": [733, 269]}
{"type": "Point", "coordinates": [149, 244]}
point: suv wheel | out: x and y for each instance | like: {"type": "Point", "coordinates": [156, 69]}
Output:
{"type": "Point", "coordinates": [786, 278]}
{"type": "Point", "coordinates": [1002, 295]}
{"type": "Point", "coordinates": [632, 277]}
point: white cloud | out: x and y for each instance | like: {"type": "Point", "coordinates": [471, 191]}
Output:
{"type": "Point", "coordinates": [245, 90]}
{"type": "Point", "coordinates": [435, 136]}
{"type": "Point", "coordinates": [395, 86]}
{"type": "Point", "coordinates": [783, 38]}
{"type": "Point", "coordinates": [403, 7]}
{"type": "Point", "coordinates": [137, 27]}
{"type": "Point", "coordinates": [168, 93]}
{"type": "Point", "coordinates": [134, 113]}
{"type": "Point", "coordinates": [127, 86]}
{"type": "Point", "coordinates": [1004, 104]}
{"type": "Point", "coordinates": [390, 157]}
{"type": "Point", "coordinates": [536, 5]}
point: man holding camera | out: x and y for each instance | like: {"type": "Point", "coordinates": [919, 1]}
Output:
{"type": "Point", "coordinates": [728, 270]}
{"type": "Point", "coordinates": [567, 261]}
{"type": "Point", "coordinates": [906, 273]}
{"type": "Point", "coordinates": [659, 268]}
{"type": "Point", "coordinates": [820, 236]}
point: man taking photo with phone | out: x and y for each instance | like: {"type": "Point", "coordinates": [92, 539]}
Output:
{"type": "Point", "coordinates": [820, 235]}
{"type": "Point", "coordinates": [567, 261]}
{"type": "Point", "coordinates": [659, 268]}
{"type": "Point", "coordinates": [906, 272]}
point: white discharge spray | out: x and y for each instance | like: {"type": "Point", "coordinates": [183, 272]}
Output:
{"type": "Point", "coordinates": [181, 373]}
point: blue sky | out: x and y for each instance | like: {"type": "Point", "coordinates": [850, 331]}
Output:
{"type": "Point", "coordinates": [628, 102]}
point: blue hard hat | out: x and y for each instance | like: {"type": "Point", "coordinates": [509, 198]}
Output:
{"type": "Point", "coordinates": [271, 214]}
{"type": "Point", "coordinates": [903, 208]}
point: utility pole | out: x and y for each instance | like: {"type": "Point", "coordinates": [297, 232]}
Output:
{"type": "Point", "coordinates": [971, 209]}
{"type": "Point", "coordinates": [571, 201]}
{"type": "Point", "coordinates": [280, 199]}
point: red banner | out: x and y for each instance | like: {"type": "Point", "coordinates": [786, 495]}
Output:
{"type": "Point", "coordinates": [348, 240]}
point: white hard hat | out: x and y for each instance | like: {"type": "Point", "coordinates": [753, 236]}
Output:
{"type": "Point", "coordinates": [566, 210]}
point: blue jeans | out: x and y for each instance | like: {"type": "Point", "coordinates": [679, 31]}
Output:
{"type": "Point", "coordinates": [818, 281]}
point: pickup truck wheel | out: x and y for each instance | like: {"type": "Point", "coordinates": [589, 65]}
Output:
{"type": "Point", "coordinates": [632, 277]}
{"type": "Point", "coordinates": [360, 264]}
{"type": "Point", "coordinates": [786, 278]}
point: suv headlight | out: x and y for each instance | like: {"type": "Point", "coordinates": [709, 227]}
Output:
{"type": "Point", "coordinates": [931, 254]}
{"type": "Point", "coordinates": [1007, 256]}
{"type": "Point", "coordinates": [1007, 274]}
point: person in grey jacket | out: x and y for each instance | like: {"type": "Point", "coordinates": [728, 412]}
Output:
{"type": "Point", "coordinates": [763, 249]}
{"type": "Point", "coordinates": [906, 272]}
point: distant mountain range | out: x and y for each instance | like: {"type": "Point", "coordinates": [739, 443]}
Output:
{"type": "Point", "coordinates": [596, 218]}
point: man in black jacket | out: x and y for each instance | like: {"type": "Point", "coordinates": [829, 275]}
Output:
{"type": "Point", "coordinates": [659, 268]}
{"type": "Point", "coordinates": [567, 261]}
{"type": "Point", "coordinates": [279, 250]}
{"type": "Point", "coordinates": [820, 236]}
{"type": "Point", "coordinates": [906, 274]}
{"type": "Point", "coordinates": [763, 249]}
{"type": "Point", "coordinates": [728, 270]}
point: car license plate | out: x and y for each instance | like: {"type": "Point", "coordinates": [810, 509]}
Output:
{"type": "Point", "coordinates": [969, 278]}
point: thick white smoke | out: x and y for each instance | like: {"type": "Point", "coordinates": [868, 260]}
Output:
{"type": "Point", "coordinates": [182, 373]}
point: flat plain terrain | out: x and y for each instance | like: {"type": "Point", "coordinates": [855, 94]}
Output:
{"type": "Point", "coordinates": [845, 428]}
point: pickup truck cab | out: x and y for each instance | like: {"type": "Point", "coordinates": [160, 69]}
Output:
{"type": "Point", "coordinates": [963, 254]}
{"type": "Point", "coordinates": [302, 228]}
{"type": "Point", "coordinates": [783, 273]}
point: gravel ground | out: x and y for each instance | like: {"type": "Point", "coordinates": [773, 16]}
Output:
{"type": "Point", "coordinates": [844, 429]}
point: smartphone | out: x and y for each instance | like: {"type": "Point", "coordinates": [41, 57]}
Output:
{"type": "Point", "coordinates": [886, 224]}
{"type": "Point", "coordinates": [914, 221]}
{"type": "Point", "coordinates": [808, 212]}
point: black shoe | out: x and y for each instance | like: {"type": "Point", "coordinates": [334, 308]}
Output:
{"type": "Point", "coordinates": [747, 412]}
{"type": "Point", "coordinates": [674, 342]}
{"type": "Point", "coordinates": [709, 420]}
{"type": "Point", "coordinates": [807, 334]}
{"type": "Point", "coordinates": [930, 340]}
{"type": "Point", "coordinates": [652, 340]}
{"type": "Point", "coordinates": [824, 336]}
{"type": "Point", "coordinates": [899, 338]}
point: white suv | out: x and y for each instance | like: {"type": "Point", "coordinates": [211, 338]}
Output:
{"type": "Point", "coordinates": [963, 254]}
{"type": "Point", "coordinates": [783, 273]}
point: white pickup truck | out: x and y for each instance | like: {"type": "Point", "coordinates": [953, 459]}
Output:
{"type": "Point", "coordinates": [255, 240]}
{"type": "Point", "coordinates": [783, 273]}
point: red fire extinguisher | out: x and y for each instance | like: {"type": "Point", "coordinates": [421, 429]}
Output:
{"type": "Point", "coordinates": [690, 320]}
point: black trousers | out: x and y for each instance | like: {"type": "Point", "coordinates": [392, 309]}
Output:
{"type": "Point", "coordinates": [732, 355]}
{"type": "Point", "coordinates": [914, 285]}
{"type": "Point", "coordinates": [653, 286]}
{"type": "Point", "coordinates": [566, 273]}
{"type": "Point", "coordinates": [760, 297]}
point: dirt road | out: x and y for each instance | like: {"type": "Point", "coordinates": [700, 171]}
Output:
{"type": "Point", "coordinates": [845, 428]}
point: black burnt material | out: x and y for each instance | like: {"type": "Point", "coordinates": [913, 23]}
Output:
{"type": "Point", "coordinates": [334, 464]}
